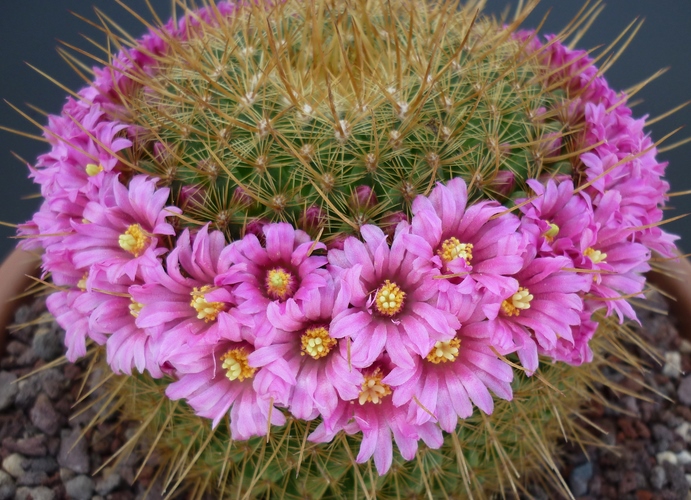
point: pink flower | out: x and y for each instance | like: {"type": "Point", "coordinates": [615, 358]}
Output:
{"type": "Point", "coordinates": [215, 379]}
{"type": "Point", "coordinates": [466, 240]}
{"type": "Point", "coordinates": [180, 304]}
{"type": "Point", "coordinates": [394, 305]}
{"type": "Point", "coordinates": [577, 352]}
{"type": "Point", "coordinates": [608, 247]}
{"type": "Point", "coordinates": [544, 308]}
{"type": "Point", "coordinates": [455, 373]}
{"type": "Point", "coordinates": [558, 215]}
{"type": "Point", "coordinates": [281, 273]}
{"type": "Point", "coordinates": [304, 368]}
{"type": "Point", "coordinates": [61, 306]}
{"type": "Point", "coordinates": [122, 231]}
{"type": "Point", "coordinates": [378, 419]}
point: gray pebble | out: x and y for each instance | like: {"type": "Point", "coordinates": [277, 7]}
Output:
{"type": "Point", "coordinates": [672, 367]}
{"type": "Point", "coordinates": [47, 343]}
{"type": "Point", "coordinates": [661, 432]}
{"type": "Point", "coordinates": [677, 479]}
{"type": "Point", "coordinates": [658, 477]}
{"type": "Point", "coordinates": [34, 446]}
{"type": "Point", "coordinates": [684, 391]}
{"type": "Point", "coordinates": [32, 478]}
{"type": "Point", "coordinates": [108, 483]}
{"type": "Point", "coordinates": [7, 487]}
{"type": "Point", "coordinates": [66, 474]}
{"type": "Point", "coordinates": [15, 464]}
{"type": "Point", "coordinates": [8, 389]}
{"type": "Point", "coordinates": [37, 493]}
{"type": "Point", "coordinates": [52, 382]}
{"type": "Point", "coordinates": [27, 358]}
{"type": "Point", "coordinates": [28, 390]}
{"type": "Point", "coordinates": [44, 464]}
{"type": "Point", "coordinates": [15, 348]}
{"type": "Point", "coordinates": [80, 487]}
{"type": "Point", "coordinates": [579, 478]}
{"type": "Point", "coordinates": [73, 451]}
{"type": "Point", "coordinates": [23, 314]}
{"type": "Point", "coordinates": [44, 416]}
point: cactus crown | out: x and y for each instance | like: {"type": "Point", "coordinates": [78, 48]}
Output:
{"type": "Point", "coordinates": [289, 114]}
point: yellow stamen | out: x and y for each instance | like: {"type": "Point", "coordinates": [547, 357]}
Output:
{"type": "Point", "coordinates": [81, 284]}
{"type": "Point", "coordinates": [135, 307]}
{"type": "Point", "coordinates": [280, 284]}
{"type": "Point", "coordinates": [444, 351]}
{"type": "Point", "coordinates": [373, 389]}
{"type": "Point", "coordinates": [518, 301]}
{"type": "Point", "coordinates": [93, 169]}
{"type": "Point", "coordinates": [595, 255]}
{"type": "Point", "coordinates": [316, 342]}
{"type": "Point", "coordinates": [236, 366]}
{"type": "Point", "coordinates": [205, 310]}
{"type": "Point", "coordinates": [551, 233]}
{"type": "Point", "coordinates": [452, 249]}
{"type": "Point", "coordinates": [389, 299]}
{"type": "Point", "coordinates": [134, 240]}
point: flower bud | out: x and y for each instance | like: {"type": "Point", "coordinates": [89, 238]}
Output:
{"type": "Point", "coordinates": [363, 198]}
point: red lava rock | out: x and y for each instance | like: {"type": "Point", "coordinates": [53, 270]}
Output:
{"type": "Point", "coordinates": [684, 412]}
{"type": "Point", "coordinates": [644, 495]}
{"type": "Point", "coordinates": [72, 372]}
{"type": "Point", "coordinates": [596, 409]}
{"type": "Point", "coordinates": [629, 482]}
{"type": "Point", "coordinates": [642, 429]}
{"type": "Point", "coordinates": [627, 427]}
{"type": "Point", "coordinates": [609, 491]}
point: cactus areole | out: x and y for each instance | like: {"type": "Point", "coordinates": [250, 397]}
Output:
{"type": "Point", "coordinates": [371, 221]}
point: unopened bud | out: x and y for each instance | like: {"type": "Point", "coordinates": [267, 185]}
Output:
{"type": "Point", "coordinates": [312, 219]}
{"type": "Point", "coordinates": [363, 198]}
{"type": "Point", "coordinates": [390, 221]}
{"type": "Point", "coordinates": [503, 183]}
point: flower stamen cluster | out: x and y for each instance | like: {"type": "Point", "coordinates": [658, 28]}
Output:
{"type": "Point", "coordinates": [453, 249]}
{"type": "Point", "coordinates": [208, 311]}
{"type": "Point", "coordinates": [444, 352]}
{"type": "Point", "coordinates": [389, 299]}
{"type": "Point", "coordinates": [373, 390]}
{"type": "Point", "coordinates": [519, 301]}
{"type": "Point", "coordinates": [280, 284]}
{"type": "Point", "coordinates": [134, 240]}
{"type": "Point", "coordinates": [135, 307]}
{"type": "Point", "coordinates": [596, 256]}
{"type": "Point", "coordinates": [236, 366]}
{"type": "Point", "coordinates": [316, 342]}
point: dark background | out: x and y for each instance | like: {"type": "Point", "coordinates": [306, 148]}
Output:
{"type": "Point", "coordinates": [30, 31]}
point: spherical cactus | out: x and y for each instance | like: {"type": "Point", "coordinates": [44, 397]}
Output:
{"type": "Point", "coordinates": [306, 232]}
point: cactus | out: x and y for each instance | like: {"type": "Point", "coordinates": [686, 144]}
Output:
{"type": "Point", "coordinates": [296, 230]}
{"type": "Point", "coordinates": [395, 99]}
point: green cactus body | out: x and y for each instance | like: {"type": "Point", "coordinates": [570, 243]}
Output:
{"type": "Point", "coordinates": [300, 104]}
{"type": "Point", "coordinates": [331, 115]}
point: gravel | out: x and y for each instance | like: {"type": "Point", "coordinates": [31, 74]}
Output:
{"type": "Point", "coordinates": [43, 453]}
{"type": "Point", "coordinates": [652, 459]}
{"type": "Point", "coordinates": [44, 456]}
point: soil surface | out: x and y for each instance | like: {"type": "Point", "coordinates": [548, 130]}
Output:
{"type": "Point", "coordinates": [43, 457]}
{"type": "Point", "coordinates": [652, 434]}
